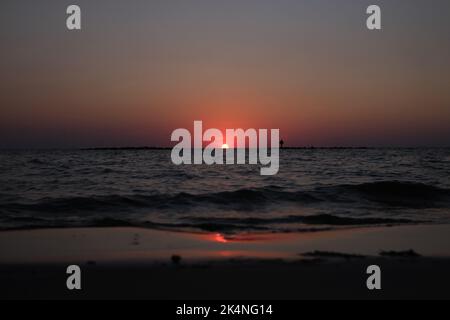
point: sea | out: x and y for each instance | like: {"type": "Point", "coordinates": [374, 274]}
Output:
{"type": "Point", "coordinates": [316, 189]}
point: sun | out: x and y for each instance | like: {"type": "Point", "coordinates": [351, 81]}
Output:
{"type": "Point", "coordinates": [225, 146]}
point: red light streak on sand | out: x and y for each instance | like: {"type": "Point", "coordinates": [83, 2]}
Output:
{"type": "Point", "coordinates": [219, 238]}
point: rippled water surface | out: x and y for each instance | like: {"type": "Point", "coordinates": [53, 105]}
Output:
{"type": "Point", "coordinates": [315, 189]}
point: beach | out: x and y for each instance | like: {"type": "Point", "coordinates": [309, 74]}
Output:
{"type": "Point", "coordinates": [124, 263]}
{"type": "Point", "coordinates": [139, 227]}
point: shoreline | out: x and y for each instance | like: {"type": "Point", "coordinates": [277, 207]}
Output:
{"type": "Point", "coordinates": [133, 263]}
{"type": "Point", "coordinates": [140, 245]}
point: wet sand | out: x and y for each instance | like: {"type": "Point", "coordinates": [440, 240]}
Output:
{"type": "Point", "coordinates": [138, 263]}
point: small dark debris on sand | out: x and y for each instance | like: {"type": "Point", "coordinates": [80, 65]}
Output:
{"type": "Point", "coordinates": [326, 254]}
{"type": "Point", "coordinates": [136, 241]}
{"type": "Point", "coordinates": [176, 260]}
{"type": "Point", "coordinates": [400, 254]}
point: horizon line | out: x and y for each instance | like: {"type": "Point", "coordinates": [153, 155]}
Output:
{"type": "Point", "coordinates": [246, 148]}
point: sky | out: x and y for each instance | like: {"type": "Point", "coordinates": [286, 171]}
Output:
{"type": "Point", "coordinates": [140, 69]}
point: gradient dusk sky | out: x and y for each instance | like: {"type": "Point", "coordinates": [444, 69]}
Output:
{"type": "Point", "coordinates": [140, 69]}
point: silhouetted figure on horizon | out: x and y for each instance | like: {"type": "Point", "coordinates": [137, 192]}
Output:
{"type": "Point", "coordinates": [281, 143]}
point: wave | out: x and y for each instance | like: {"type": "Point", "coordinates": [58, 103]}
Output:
{"type": "Point", "coordinates": [244, 199]}
{"type": "Point", "coordinates": [226, 224]}
{"type": "Point", "coordinates": [373, 203]}
{"type": "Point", "coordinates": [215, 224]}
{"type": "Point", "coordinates": [392, 193]}
{"type": "Point", "coordinates": [395, 193]}
{"type": "Point", "coordinates": [326, 219]}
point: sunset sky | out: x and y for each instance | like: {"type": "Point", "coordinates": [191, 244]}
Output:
{"type": "Point", "coordinates": [140, 69]}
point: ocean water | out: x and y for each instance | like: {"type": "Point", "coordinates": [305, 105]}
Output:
{"type": "Point", "coordinates": [316, 189]}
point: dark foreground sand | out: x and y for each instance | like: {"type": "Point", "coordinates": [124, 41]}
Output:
{"type": "Point", "coordinates": [137, 263]}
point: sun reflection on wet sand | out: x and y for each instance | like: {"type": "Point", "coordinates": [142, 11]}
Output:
{"type": "Point", "coordinates": [220, 238]}
{"type": "Point", "coordinates": [246, 237]}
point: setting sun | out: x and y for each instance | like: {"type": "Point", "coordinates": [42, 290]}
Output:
{"type": "Point", "coordinates": [225, 146]}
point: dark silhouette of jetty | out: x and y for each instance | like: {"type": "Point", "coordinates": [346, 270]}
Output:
{"type": "Point", "coordinates": [170, 148]}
